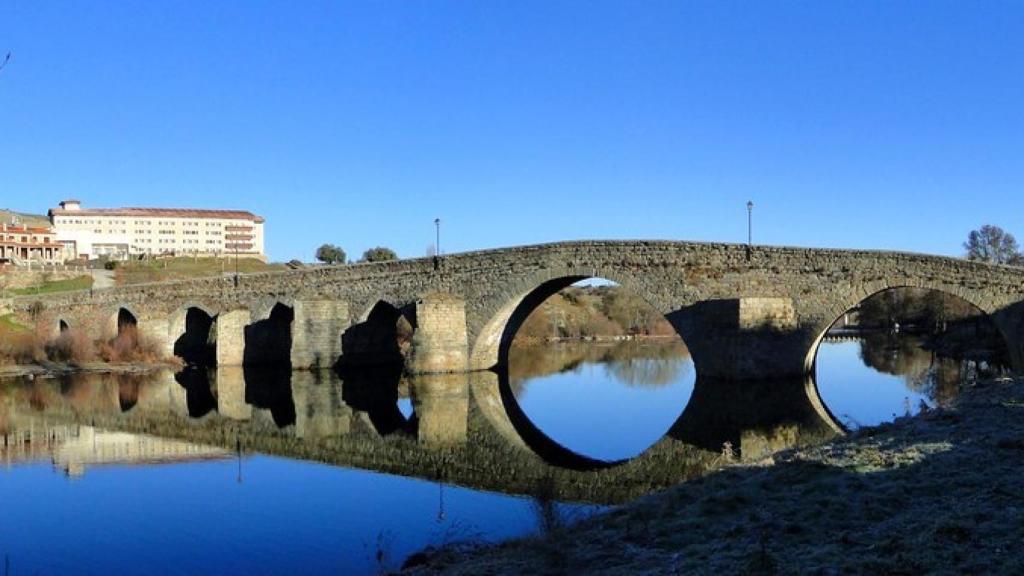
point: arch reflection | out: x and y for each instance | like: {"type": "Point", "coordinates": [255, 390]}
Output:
{"type": "Point", "coordinates": [464, 430]}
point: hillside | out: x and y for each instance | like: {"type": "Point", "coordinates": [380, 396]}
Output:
{"type": "Point", "coordinates": [580, 312]}
{"type": "Point", "coordinates": [30, 219]}
{"type": "Point", "coordinates": [159, 270]}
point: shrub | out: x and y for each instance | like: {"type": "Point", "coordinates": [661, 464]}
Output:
{"type": "Point", "coordinates": [130, 346]}
{"type": "Point", "coordinates": [73, 346]}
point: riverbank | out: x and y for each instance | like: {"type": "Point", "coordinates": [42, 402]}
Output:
{"type": "Point", "coordinates": [54, 369]}
{"type": "Point", "coordinates": [938, 493]}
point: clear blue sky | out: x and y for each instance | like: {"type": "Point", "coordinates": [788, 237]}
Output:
{"type": "Point", "coordinates": [849, 124]}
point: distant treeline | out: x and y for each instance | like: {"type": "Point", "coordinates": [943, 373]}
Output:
{"type": "Point", "coordinates": [951, 326]}
{"type": "Point", "coordinates": [927, 310]}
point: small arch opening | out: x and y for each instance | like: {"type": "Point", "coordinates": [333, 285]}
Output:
{"type": "Point", "coordinates": [126, 321]}
{"type": "Point", "coordinates": [62, 326]}
{"type": "Point", "coordinates": [269, 342]}
{"type": "Point", "coordinates": [127, 345]}
{"type": "Point", "coordinates": [903, 350]}
{"type": "Point", "coordinates": [197, 346]}
{"type": "Point", "coordinates": [383, 338]}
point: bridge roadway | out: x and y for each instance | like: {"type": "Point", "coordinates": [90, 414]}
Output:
{"type": "Point", "coordinates": [744, 312]}
{"type": "Point", "coordinates": [466, 429]}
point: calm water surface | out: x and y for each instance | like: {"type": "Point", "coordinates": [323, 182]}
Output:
{"type": "Point", "coordinates": [237, 473]}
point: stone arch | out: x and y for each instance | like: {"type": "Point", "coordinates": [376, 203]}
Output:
{"type": "Point", "coordinates": [57, 327]}
{"type": "Point", "coordinates": [835, 310]}
{"type": "Point", "coordinates": [503, 319]}
{"type": "Point", "coordinates": [268, 339]}
{"type": "Point", "coordinates": [120, 317]}
{"type": "Point", "coordinates": [193, 334]}
{"type": "Point", "coordinates": [264, 307]}
{"type": "Point", "coordinates": [373, 340]}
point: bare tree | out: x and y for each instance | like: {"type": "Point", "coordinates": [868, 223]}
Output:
{"type": "Point", "coordinates": [993, 245]}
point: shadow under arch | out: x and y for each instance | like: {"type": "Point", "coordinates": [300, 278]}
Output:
{"type": "Point", "coordinates": [197, 345]}
{"type": "Point", "coordinates": [1000, 320]}
{"type": "Point", "coordinates": [268, 342]}
{"type": "Point", "coordinates": [491, 347]}
{"type": "Point", "coordinates": [379, 338]}
{"type": "Point", "coordinates": [125, 320]}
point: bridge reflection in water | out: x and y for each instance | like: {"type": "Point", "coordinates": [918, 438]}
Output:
{"type": "Point", "coordinates": [465, 429]}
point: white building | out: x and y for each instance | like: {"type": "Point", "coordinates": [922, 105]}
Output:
{"type": "Point", "coordinates": [121, 233]}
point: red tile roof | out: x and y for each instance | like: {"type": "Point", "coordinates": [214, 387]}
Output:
{"type": "Point", "coordinates": [21, 229]}
{"type": "Point", "coordinates": [161, 213]}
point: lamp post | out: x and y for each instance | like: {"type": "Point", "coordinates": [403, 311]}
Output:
{"type": "Point", "coordinates": [750, 220]}
{"type": "Point", "coordinates": [437, 241]}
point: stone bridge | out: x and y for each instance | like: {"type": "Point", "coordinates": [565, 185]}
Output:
{"type": "Point", "coordinates": [744, 312]}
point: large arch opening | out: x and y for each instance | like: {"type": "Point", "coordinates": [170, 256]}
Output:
{"type": "Point", "coordinates": [902, 350]}
{"type": "Point", "coordinates": [197, 345]}
{"type": "Point", "coordinates": [592, 368]}
{"type": "Point", "coordinates": [268, 342]}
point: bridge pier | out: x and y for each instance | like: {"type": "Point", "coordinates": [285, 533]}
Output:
{"type": "Point", "coordinates": [316, 333]}
{"type": "Point", "coordinates": [230, 337]}
{"type": "Point", "coordinates": [440, 344]}
{"type": "Point", "coordinates": [744, 339]}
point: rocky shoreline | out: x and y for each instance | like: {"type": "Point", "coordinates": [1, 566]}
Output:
{"type": "Point", "coordinates": [939, 493]}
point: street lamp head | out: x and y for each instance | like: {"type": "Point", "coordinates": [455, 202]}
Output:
{"type": "Point", "coordinates": [750, 205]}
{"type": "Point", "coordinates": [437, 220]}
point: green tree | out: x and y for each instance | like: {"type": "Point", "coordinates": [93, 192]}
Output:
{"type": "Point", "coordinates": [330, 254]}
{"type": "Point", "coordinates": [993, 245]}
{"type": "Point", "coordinates": [379, 254]}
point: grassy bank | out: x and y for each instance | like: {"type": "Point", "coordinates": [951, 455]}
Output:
{"type": "Point", "coordinates": [159, 270]}
{"type": "Point", "coordinates": [936, 494]}
{"type": "Point", "coordinates": [49, 287]}
{"type": "Point", "coordinates": [9, 326]}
